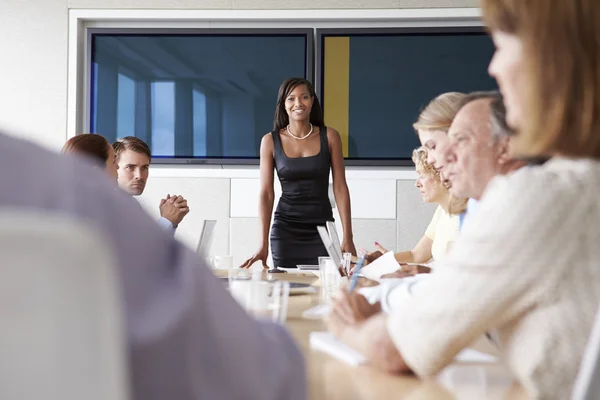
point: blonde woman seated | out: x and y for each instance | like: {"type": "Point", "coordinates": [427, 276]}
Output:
{"type": "Point", "coordinates": [442, 229]}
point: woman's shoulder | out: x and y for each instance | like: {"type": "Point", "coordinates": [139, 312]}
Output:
{"type": "Point", "coordinates": [438, 213]}
{"type": "Point", "coordinates": [331, 132]}
{"type": "Point", "coordinates": [565, 181]}
{"type": "Point", "coordinates": [267, 137]}
{"type": "Point", "coordinates": [266, 143]}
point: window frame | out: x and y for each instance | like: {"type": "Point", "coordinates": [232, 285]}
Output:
{"type": "Point", "coordinates": [309, 68]}
{"type": "Point", "coordinates": [321, 33]}
{"type": "Point", "coordinates": [81, 21]}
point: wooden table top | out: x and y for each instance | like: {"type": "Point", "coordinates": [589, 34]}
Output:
{"type": "Point", "coordinates": [332, 379]}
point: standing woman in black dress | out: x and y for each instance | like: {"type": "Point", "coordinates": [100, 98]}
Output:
{"type": "Point", "coordinates": [303, 151]}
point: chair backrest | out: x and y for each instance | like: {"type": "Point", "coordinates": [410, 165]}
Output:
{"type": "Point", "coordinates": [62, 331]}
{"type": "Point", "coordinates": [587, 384]}
{"type": "Point", "coordinates": [206, 237]}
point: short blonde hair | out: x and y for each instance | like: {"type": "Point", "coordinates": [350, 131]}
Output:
{"type": "Point", "coordinates": [440, 112]}
{"type": "Point", "coordinates": [419, 157]}
{"type": "Point", "coordinates": [561, 40]}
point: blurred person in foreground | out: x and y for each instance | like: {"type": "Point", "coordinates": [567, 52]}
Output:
{"type": "Point", "coordinates": [187, 337]}
{"type": "Point", "coordinates": [526, 273]}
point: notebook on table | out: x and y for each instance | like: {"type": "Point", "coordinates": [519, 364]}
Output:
{"type": "Point", "coordinates": [327, 343]}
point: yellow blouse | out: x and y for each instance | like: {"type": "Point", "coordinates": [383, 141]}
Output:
{"type": "Point", "coordinates": [442, 230]}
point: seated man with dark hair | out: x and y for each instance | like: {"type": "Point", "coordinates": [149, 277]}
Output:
{"type": "Point", "coordinates": [133, 158]}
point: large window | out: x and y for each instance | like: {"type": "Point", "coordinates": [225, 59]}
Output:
{"type": "Point", "coordinates": [209, 95]}
{"type": "Point", "coordinates": [374, 82]}
{"type": "Point", "coordinates": [202, 95]}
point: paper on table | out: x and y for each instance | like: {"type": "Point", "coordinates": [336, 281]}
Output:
{"type": "Point", "coordinates": [317, 312]}
{"type": "Point", "coordinates": [327, 343]}
{"type": "Point", "coordinates": [474, 356]}
{"type": "Point", "coordinates": [386, 264]}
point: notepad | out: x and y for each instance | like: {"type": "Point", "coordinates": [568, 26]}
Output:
{"type": "Point", "coordinates": [386, 264]}
{"type": "Point", "coordinates": [317, 312]}
{"type": "Point", "coordinates": [475, 356]}
{"type": "Point", "coordinates": [327, 343]}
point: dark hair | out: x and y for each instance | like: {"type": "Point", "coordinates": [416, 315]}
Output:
{"type": "Point", "coordinates": [89, 144]}
{"type": "Point", "coordinates": [281, 118]}
{"type": "Point", "coordinates": [131, 143]}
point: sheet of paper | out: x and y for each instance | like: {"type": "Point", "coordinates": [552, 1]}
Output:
{"type": "Point", "coordinates": [474, 356]}
{"type": "Point", "coordinates": [385, 264]}
{"type": "Point", "coordinates": [327, 343]}
{"type": "Point", "coordinates": [317, 312]}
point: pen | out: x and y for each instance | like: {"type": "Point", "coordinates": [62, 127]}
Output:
{"type": "Point", "coordinates": [359, 265]}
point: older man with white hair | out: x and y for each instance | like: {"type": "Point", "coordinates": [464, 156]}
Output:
{"type": "Point", "coordinates": [478, 150]}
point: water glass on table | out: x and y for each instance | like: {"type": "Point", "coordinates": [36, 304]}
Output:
{"type": "Point", "coordinates": [330, 278]}
{"type": "Point", "coordinates": [260, 298]}
{"type": "Point", "coordinates": [347, 263]}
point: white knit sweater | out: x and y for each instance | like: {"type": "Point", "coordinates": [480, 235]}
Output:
{"type": "Point", "coordinates": [526, 267]}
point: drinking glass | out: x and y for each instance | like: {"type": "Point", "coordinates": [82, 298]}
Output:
{"type": "Point", "coordinates": [330, 279]}
{"type": "Point", "coordinates": [262, 299]}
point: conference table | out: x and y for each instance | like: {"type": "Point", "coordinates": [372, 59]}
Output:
{"type": "Point", "coordinates": [331, 379]}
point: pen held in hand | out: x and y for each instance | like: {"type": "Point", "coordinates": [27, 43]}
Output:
{"type": "Point", "coordinates": [359, 265]}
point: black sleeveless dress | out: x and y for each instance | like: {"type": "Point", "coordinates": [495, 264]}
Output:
{"type": "Point", "coordinates": [304, 205]}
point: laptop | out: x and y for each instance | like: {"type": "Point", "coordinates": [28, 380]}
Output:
{"type": "Point", "coordinates": [206, 237]}
{"type": "Point", "coordinates": [335, 239]}
{"type": "Point", "coordinates": [332, 251]}
{"type": "Point", "coordinates": [331, 241]}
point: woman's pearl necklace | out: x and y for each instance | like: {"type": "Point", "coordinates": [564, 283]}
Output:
{"type": "Point", "coordinates": [299, 138]}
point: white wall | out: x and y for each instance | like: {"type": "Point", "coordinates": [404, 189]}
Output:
{"type": "Point", "coordinates": [33, 69]}
{"type": "Point", "coordinates": [33, 105]}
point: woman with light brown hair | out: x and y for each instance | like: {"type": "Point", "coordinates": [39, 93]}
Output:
{"type": "Point", "coordinates": [96, 149]}
{"type": "Point", "coordinates": [434, 122]}
{"type": "Point", "coordinates": [525, 268]}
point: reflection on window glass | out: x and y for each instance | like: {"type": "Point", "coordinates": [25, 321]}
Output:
{"type": "Point", "coordinates": [125, 106]}
{"type": "Point", "coordinates": [199, 104]}
{"type": "Point", "coordinates": [163, 118]}
{"type": "Point", "coordinates": [192, 95]}
{"type": "Point", "coordinates": [374, 85]}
